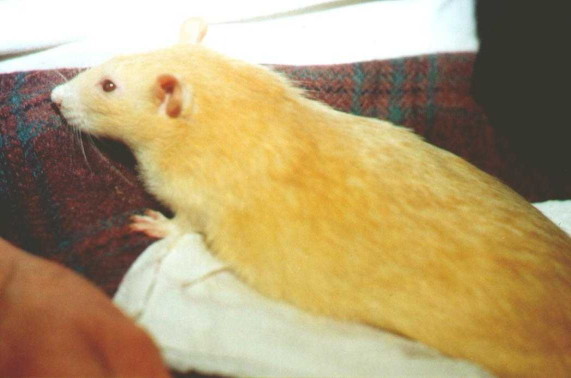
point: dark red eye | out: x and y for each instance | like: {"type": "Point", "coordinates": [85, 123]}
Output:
{"type": "Point", "coordinates": [108, 85]}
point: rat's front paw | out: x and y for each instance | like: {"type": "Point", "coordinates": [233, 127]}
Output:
{"type": "Point", "coordinates": [153, 224]}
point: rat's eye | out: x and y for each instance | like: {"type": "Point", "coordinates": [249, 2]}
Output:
{"type": "Point", "coordinates": [108, 85]}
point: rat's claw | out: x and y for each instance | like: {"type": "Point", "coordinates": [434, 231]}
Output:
{"type": "Point", "coordinates": [153, 224]}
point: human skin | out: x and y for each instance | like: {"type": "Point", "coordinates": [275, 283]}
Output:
{"type": "Point", "coordinates": [55, 323]}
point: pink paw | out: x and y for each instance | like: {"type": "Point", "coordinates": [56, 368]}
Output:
{"type": "Point", "coordinates": [153, 224]}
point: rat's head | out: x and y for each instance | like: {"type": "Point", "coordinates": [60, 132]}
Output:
{"type": "Point", "coordinates": [128, 97]}
{"type": "Point", "coordinates": [169, 93]}
{"type": "Point", "coordinates": [122, 98]}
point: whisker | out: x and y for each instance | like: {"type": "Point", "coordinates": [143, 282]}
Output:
{"type": "Point", "coordinates": [71, 136]}
{"type": "Point", "coordinates": [110, 163]}
{"type": "Point", "coordinates": [82, 148]}
{"type": "Point", "coordinates": [65, 79]}
{"type": "Point", "coordinates": [77, 142]}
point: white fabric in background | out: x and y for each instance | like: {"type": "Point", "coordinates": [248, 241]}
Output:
{"type": "Point", "coordinates": [47, 34]}
{"type": "Point", "coordinates": [203, 318]}
{"type": "Point", "coordinates": [558, 211]}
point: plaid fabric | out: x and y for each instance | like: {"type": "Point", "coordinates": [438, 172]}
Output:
{"type": "Point", "coordinates": [59, 200]}
{"type": "Point", "coordinates": [71, 203]}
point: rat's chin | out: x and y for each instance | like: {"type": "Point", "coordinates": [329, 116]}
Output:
{"type": "Point", "coordinates": [77, 122]}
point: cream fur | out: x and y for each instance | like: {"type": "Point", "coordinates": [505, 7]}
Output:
{"type": "Point", "coordinates": [341, 215]}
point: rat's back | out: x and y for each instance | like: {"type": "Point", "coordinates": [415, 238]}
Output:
{"type": "Point", "coordinates": [372, 224]}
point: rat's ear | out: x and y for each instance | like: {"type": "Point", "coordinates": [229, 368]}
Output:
{"type": "Point", "coordinates": [168, 90]}
{"type": "Point", "coordinates": [193, 30]}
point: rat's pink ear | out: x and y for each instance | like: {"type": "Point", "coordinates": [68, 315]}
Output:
{"type": "Point", "coordinates": [168, 91]}
{"type": "Point", "coordinates": [193, 30]}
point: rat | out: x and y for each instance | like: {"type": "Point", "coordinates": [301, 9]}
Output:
{"type": "Point", "coordinates": [340, 215]}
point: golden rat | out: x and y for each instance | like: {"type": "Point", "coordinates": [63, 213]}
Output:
{"type": "Point", "coordinates": [340, 215]}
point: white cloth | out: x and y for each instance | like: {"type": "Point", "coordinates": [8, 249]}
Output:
{"type": "Point", "coordinates": [559, 212]}
{"type": "Point", "coordinates": [47, 34]}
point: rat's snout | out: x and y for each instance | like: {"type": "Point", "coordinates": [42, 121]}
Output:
{"type": "Point", "coordinates": [57, 95]}
{"type": "Point", "coordinates": [62, 97]}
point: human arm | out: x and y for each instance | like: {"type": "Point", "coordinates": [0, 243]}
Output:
{"type": "Point", "coordinates": [55, 323]}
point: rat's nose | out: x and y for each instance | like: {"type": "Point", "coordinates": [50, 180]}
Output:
{"type": "Point", "coordinates": [56, 96]}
